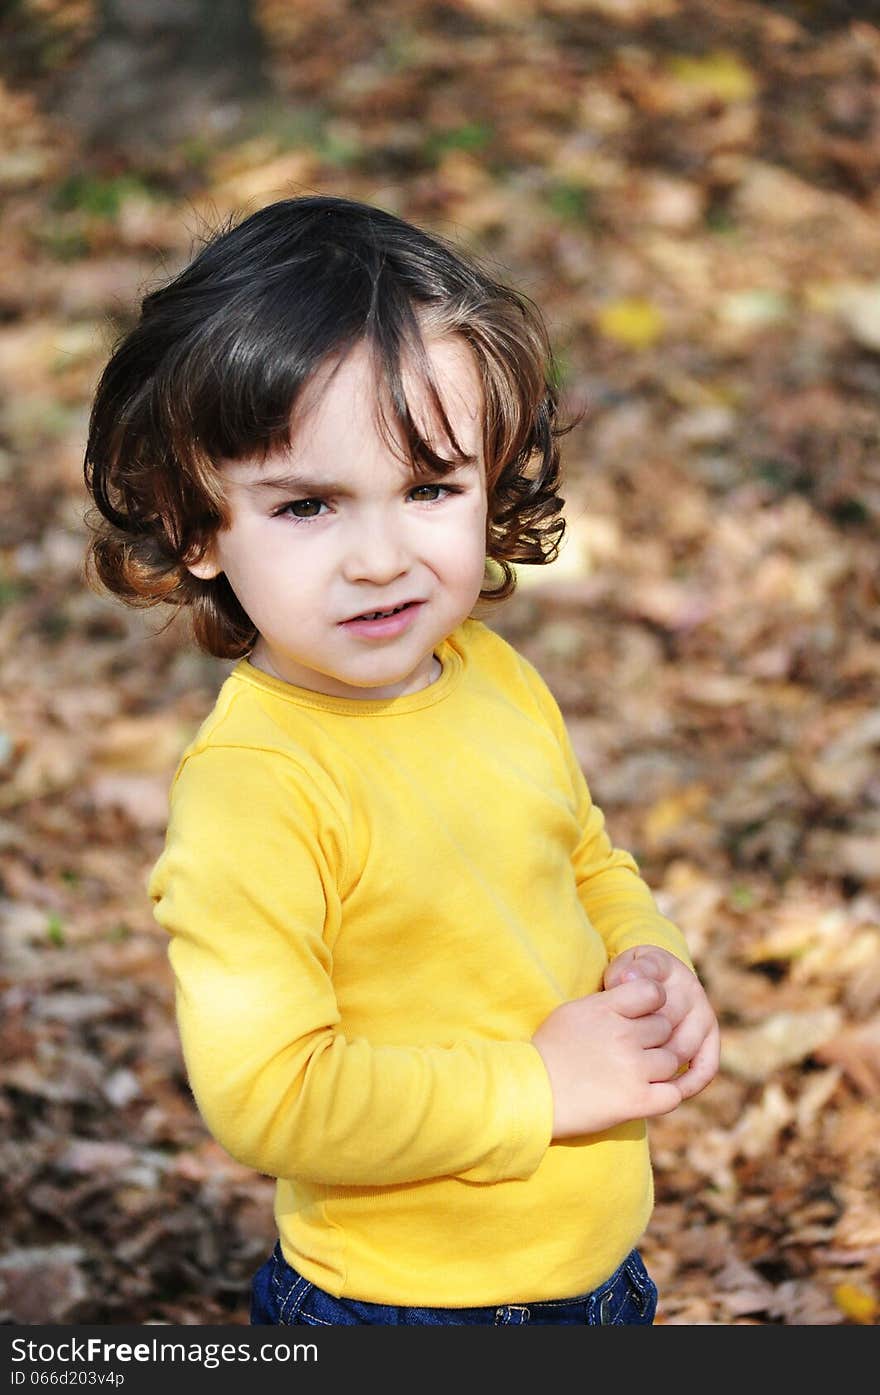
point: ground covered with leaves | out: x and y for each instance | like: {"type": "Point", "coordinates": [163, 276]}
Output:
{"type": "Point", "coordinates": [691, 194]}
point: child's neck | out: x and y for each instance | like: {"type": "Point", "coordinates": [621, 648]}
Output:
{"type": "Point", "coordinates": [259, 658]}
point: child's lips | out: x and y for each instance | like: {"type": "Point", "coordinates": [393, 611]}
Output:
{"type": "Point", "coordinates": [380, 611]}
{"type": "Point", "coordinates": [390, 620]}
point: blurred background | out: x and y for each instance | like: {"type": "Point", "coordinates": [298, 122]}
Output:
{"type": "Point", "coordinates": [690, 191]}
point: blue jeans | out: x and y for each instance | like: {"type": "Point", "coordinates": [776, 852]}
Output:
{"type": "Point", "coordinates": [282, 1297]}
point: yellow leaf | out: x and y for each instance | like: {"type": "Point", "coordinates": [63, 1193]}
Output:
{"type": "Point", "coordinates": [856, 1303]}
{"type": "Point", "coordinates": [673, 810]}
{"type": "Point", "coordinates": [718, 75]}
{"type": "Point", "coordinates": [631, 321]}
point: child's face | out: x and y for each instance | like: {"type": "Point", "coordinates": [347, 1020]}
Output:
{"type": "Point", "coordinates": [335, 528]}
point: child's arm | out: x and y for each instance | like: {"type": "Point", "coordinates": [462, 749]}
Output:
{"type": "Point", "coordinates": [609, 1058]}
{"type": "Point", "coordinates": [619, 903]}
{"type": "Point", "coordinates": [642, 945]}
{"type": "Point", "coordinates": [249, 889]}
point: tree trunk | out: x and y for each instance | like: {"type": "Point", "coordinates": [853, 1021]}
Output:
{"type": "Point", "coordinates": [160, 72]}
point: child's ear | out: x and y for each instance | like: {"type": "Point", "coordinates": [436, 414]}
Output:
{"type": "Point", "coordinates": [205, 567]}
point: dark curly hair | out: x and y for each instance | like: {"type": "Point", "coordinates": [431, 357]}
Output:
{"type": "Point", "coordinates": [219, 356]}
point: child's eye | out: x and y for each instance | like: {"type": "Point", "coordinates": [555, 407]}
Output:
{"type": "Point", "coordinates": [430, 493]}
{"type": "Point", "coordinates": [303, 509]}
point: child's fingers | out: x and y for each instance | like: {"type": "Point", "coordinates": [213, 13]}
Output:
{"type": "Point", "coordinates": [662, 1064]}
{"type": "Point", "coordinates": [662, 1097]}
{"type": "Point", "coordinates": [653, 1029]}
{"type": "Point", "coordinates": [703, 1067]}
{"type": "Point", "coordinates": [633, 964]}
{"type": "Point", "coordinates": [648, 963]}
{"type": "Point", "coordinates": [689, 1034]}
{"type": "Point", "coordinates": [636, 997]}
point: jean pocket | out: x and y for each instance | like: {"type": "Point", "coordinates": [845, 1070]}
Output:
{"type": "Point", "coordinates": [630, 1297]}
{"type": "Point", "coordinates": [287, 1291]}
{"type": "Point", "coordinates": [296, 1302]}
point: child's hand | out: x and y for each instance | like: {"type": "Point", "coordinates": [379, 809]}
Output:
{"type": "Point", "coordinates": [695, 1037]}
{"type": "Point", "coordinates": [608, 1058]}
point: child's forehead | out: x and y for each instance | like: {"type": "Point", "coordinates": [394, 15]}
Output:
{"type": "Point", "coordinates": [356, 387]}
{"type": "Point", "coordinates": [360, 372]}
{"type": "Point", "coordinates": [343, 422]}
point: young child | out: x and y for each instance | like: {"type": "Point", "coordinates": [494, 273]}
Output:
{"type": "Point", "coordinates": [415, 981]}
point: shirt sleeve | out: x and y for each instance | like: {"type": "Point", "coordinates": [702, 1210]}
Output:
{"type": "Point", "coordinates": [248, 887]}
{"type": "Point", "coordinates": [618, 901]}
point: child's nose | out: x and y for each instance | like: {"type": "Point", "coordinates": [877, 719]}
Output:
{"type": "Point", "coordinates": [375, 553]}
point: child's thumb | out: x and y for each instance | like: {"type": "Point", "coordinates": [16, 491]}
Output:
{"type": "Point", "coordinates": [631, 965]}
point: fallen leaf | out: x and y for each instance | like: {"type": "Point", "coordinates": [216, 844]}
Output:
{"type": "Point", "coordinates": [859, 309]}
{"type": "Point", "coordinates": [146, 745]}
{"type": "Point", "coordinates": [721, 76]}
{"type": "Point", "coordinates": [674, 810]}
{"type": "Point", "coordinates": [632, 321]}
{"type": "Point", "coordinates": [856, 1304]}
{"type": "Point", "coordinates": [757, 1131]}
{"type": "Point", "coordinates": [783, 1039]}
{"type": "Point", "coordinates": [42, 1284]}
{"type": "Point", "coordinates": [857, 1051]}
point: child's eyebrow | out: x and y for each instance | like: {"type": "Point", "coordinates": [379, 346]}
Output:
{"type": "Point", "coordinates": [303, 487]}
{"type": "Point", "coordinates": [299, 485]}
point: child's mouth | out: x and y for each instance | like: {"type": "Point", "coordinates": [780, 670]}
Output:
{"type": "Point", "coordinates": [382, 614]}
{"type": "Point", "coordinates": [383, 622]}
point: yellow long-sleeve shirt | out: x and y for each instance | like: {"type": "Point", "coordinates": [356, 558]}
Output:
{"type": "Point", "coordinates": [373, 905]}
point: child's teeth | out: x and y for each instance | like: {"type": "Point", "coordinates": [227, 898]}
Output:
{"type": "Point", "coordinates": [381, 614]}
